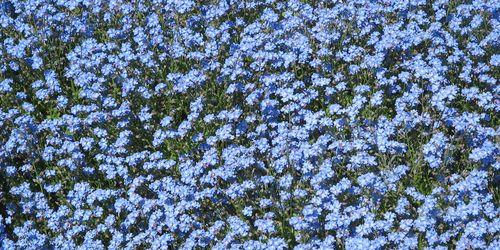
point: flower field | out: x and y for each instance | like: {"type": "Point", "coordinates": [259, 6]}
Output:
{"type": "Point", "coordinates": [249, 124]}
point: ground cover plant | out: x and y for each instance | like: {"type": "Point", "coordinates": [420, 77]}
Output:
{"type": "Point", "coordinates": [249, 124]}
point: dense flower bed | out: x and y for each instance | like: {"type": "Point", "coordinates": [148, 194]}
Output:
{"type": "Point", "coordinates": [257, 124]}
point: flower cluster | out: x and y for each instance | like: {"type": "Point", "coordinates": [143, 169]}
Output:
{"type": "Point", "coordinates": [248, 124]}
